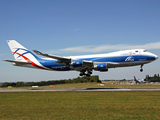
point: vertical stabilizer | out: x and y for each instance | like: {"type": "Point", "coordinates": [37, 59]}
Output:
{"type": "Point", "coordinates": [19, 52]}
{"type": "Point", "coordinates": [23, 57]}
{"type": "Point", "coordinates": [16, 48]}
{"type": "Point", "coordinates": [136, 80]}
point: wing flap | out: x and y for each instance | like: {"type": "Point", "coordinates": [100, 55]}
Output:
{"type": "Point", "coordinates": [112, 64]}
{"type": "Point", "coordinates": [87, 63]}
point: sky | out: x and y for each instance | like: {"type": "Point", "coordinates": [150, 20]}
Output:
{"type": "Point", "coordinates": [78, 27]}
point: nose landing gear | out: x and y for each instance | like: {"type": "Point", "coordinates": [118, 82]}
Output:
{"type": "Point", "coordinates": [141, 70]}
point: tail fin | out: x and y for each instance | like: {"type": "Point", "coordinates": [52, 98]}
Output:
{"type": "Point", "coordinates": [136, 80]}
{"type": "Point", "coordinates": [19, 52]}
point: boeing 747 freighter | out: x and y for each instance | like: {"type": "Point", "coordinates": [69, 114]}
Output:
{"type": "Point", "coordinates": [84, 64]}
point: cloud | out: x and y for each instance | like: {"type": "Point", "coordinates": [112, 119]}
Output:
{"type": "Point", "coordinates": [107, 47]}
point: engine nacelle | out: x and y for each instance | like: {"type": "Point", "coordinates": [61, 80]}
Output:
{"type": "Point", "coordinates": [101, 67]}
{"type": "Point", "coordinates": [77, 63]}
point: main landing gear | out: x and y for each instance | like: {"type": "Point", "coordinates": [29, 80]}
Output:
{"type": "Point", "coordinates": [141, 70]}
{"type": "Point", "coordinates": [82, 73]}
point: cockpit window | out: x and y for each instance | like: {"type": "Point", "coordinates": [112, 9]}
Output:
{"type": "Point", "coordinates": [145, 51]}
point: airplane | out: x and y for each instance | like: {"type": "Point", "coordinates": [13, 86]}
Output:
{"type": "Point", "coordinates": [138, 81]}
{"type": "Point", "coordinates": [85, 64]}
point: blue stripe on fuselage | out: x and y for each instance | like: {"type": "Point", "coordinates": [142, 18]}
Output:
{"type": "Point", "coordinates": [51, 64]}
{"type": "Point", "coordinates": [118, 59]}
{"type": "Point", "coordinates": [124, 58]}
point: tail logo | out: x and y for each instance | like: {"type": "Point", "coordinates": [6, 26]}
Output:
{"type": "Point", "coordinates": [27, 59]}
{"type": "Point", "coordinates": [22, 55]}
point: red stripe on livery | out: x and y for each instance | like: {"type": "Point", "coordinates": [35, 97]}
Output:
{"type": "Point", "coordinates": [32, 63]}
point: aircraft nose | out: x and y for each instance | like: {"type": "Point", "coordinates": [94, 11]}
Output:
{"type": "Point", "coordinates": [156, 57]}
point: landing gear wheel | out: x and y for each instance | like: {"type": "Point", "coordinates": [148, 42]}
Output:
{"type": "Point", "coordinates": [87, 74]}
{"type": "Point", "coordinates": [82, 73]}
{"type": "Point", "coordinates": [141, 70]}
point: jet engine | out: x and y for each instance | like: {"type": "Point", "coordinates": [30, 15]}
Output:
{"type": "Point", "coordinates": [77, 63]}
{"type": "Point", "coordinates": [101, 67]}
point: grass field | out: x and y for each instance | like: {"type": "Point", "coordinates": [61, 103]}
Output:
{"type": "Point", "coordinates": [95, 85]}
{"type": "Point", "coordinates": [80, 106]}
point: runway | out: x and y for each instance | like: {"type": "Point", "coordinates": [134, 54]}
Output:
{"type": "Point", "coordinates": [75, 89]}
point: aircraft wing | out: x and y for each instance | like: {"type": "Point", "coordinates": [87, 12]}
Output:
{"type": "Point", "coordinates": [61, 60]}
{"type": "Point", "coordinates": [87, 63]}
{"type": "Point", "coordinates": [112, 64]}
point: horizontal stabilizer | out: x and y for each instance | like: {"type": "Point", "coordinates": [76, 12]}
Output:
{"type": "Point", "coordinates": [18, 62]}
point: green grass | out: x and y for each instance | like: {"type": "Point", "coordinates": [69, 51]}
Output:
{"type": "Point", "coordinates": [80, 105]}
{"type": "Point", "coordinates": [95, 85]}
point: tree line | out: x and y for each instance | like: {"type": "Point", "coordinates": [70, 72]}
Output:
{"type": "Point", "coordinates": [155, 78]}
{"type": "Point", "coordinates": [52, 82]}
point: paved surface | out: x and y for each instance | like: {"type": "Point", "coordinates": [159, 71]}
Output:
{"type": "Point", "coordinates": [75, 89]}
